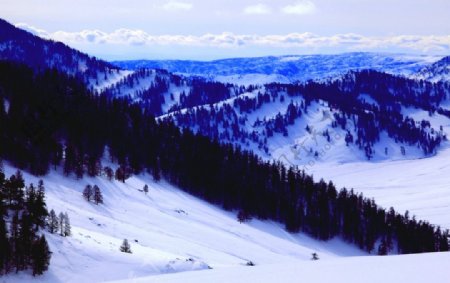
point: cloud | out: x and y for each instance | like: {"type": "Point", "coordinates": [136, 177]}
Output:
{"type": "Point", "coordinates": [258, 9]}
{"type": "Point", "coordinates": [33, 30]}
{"type": "Point", "coordinates": [300, 8]}
{"type": "Point", "coordinates": [304, 41]}
{"type": "Point", "coordinates": [177, 6]}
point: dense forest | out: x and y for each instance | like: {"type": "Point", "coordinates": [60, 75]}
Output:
{"type": "Point", "coordinates": [50, 119]}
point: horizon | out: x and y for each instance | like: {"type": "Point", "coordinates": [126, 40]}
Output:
{"type": "Point", "coordinates": [211, 30]}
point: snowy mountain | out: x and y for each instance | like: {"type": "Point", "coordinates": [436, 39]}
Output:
{"type": "Point", "coordinates": [22, 46]}
{"type": "Point", "coordinates": [438, 71]}
{"type": "Point", "coordinates": [286, 69]}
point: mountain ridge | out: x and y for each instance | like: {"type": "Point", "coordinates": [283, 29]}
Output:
{"type": "Point", "coordinates": [289, 68]}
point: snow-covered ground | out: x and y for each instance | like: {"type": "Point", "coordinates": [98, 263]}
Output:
{"type": "Point", "coordinates": [420, 268]}
{"type": "Point", "coordinates": [169, 231]}
{"type": "Point", "coordinates": [173, 232]}
{"type": "Point", "coordinates": [420, 186]}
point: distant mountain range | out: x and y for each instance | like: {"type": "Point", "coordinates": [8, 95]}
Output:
{"type": "Point", "coordinates": [286, 69]}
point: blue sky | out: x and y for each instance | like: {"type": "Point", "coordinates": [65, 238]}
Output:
{"type": "Point", "coordinates": [202, 29]}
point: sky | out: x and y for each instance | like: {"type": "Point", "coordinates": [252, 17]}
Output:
{"type": "Point", "coordinates": [213, 29]}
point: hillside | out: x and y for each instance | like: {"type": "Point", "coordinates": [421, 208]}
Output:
{"type": "Point", "coordinates": [22, 46]}
{"type": "Point", "coordinates": [438, 71]}
{"type": "Point", "coordinates": [169, 231]}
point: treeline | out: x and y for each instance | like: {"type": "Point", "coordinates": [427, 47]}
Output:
{"type": "Point", "coordinates": [81, 129]}
{"type": "Point", "coordinates": [23, 214]}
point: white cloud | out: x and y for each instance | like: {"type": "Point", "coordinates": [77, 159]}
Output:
{"type": "Point", "coordinates": [305, 41]}
{"type": "Point", "coordinates": [33, 30]}
{"type": "Point", "coordinates": [300, 8]}
{"type": "Point", "coordinates": [258, 9]}
{"type": "Point", "coordinates": [177, 6]}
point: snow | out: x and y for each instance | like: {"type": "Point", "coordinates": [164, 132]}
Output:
{"type": "Point", "coordinates": [409, 182]}
{"type": "Point", "coordinates": [393, 269]}
{"type": "Point", "coordinates": [169, 231]}
{"type": "Point", "coordinates": [178, 238]}
{"type": "Point", "coordinates": [111, 79]}
{"type": "Point", "coordinates": [6, 106]}
{"type": "Point", "coordinates": [419, 185]}
{"type": "Point", "coordinates": [290, 68]}
{"type": "Point", "coordinates": [175, 237]}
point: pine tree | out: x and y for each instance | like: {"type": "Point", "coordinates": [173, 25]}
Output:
{"type": "Point", "coordinates": [243, 216]}
{"type": "Point", "coordinates": [120, 174]}
{"type": "Point", "coordinates": [67, 227]}
{"type": "Point", "coordinates": [125, 247]}
{"type": "Point", "coordinates": [62, 220]}
{"type": "Point", "coordinates": [15, 192]}
{"type": "Point", "coordinates": [109, 173]}
{"type": "Point", "coordinates": [88, 192]}
{"type": "Point", "coordinates": [5, 251]}
{"type": "Point", "coordinates": [2, 193]}
{"type": "Point", "coordinates": [24, 241]}
{"type": "Point", "coordinates": [98, 197]}
{"type": "Point", "coordinates": [40, 256]}
{"type": "Point", "coordinates": [53, 222]}
{"type": "Point", "coordinates": [145, 189]}
{"type": "Point", "coordinates": [14, 241]}
{"type": "Point", "coordinates": [36, 204]}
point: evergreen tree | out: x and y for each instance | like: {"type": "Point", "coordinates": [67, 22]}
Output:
{"type": "Point", "coordinates": [53, 222]}
{"type": "Point", "coordinates": [62, 220]}
{"type": "Point", "coordinates": [24, 242]}
{"type": "Point", "coordinates": [15, 186]}
{"type": "Point", "coordinates": [5, 251]}
{"type": "Point", "coordinates": [40, 256]}
{"type": "Point", "coordinates": [109, 173]}
{"type": "Point", "coordinates": [243, 216]}
{"type": "Point", "coordinates": [14, 240]}
{"type": "Point", "coordinates": [145, 189]}
{"type": "Point", "coordinates": [125, 247]}
{"type": "Point", "coordinates": [40, 207]}
{"type": "Point", "coordinates": [98, 197]}
{"type": "Point", "coordinates": [67, 227]}
{"type": "Point", "coordinates": [120, 174]}
{"type": "Point", "coordinates": [88, 192]}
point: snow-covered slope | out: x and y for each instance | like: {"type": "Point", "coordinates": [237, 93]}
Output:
{"type": "Point", "coordinates": [169, 231]}
{"type": "Point", "coordinates": [286, 69]}
{"type": "Point", "coordinates": [438, 71]}
{"type": "Point", "coordinates": [418, 185]}
{"type": "Point", "coordinates": [177, 238]}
